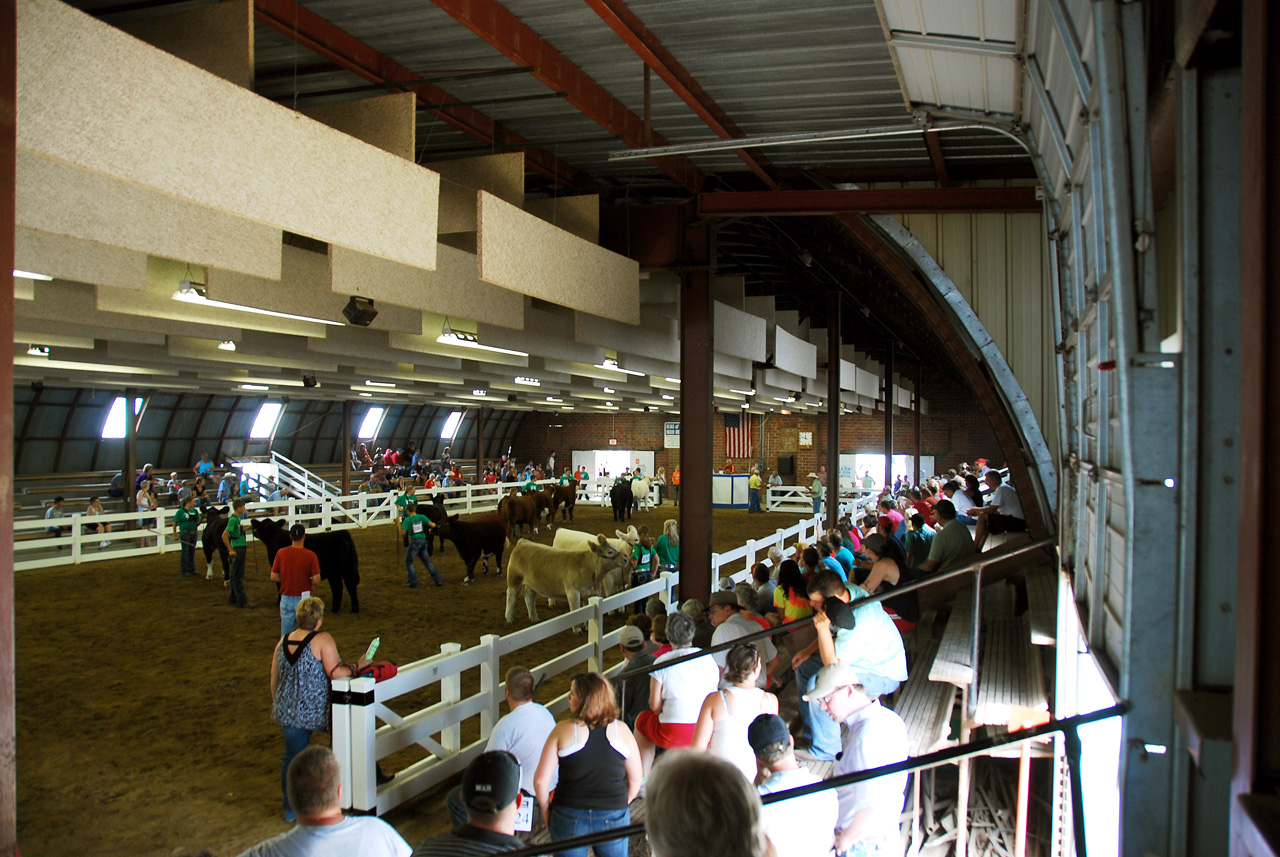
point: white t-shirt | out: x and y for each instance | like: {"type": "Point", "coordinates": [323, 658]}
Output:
{"type": "Point", "coordinates": [961, 501]}
{"type": "Point", "coordinates": [737, 626]}
{"type": "Point", "coordinates": [685, 686]}
{"type": "Point", "coordinates": [1005, 499]}
{"type": "Point", "coordinates": [363, 835]}
{"type": "Point", "coordinates": [523, 733]}
{"type": "Point", "coordinates": [874, 736]}
{"type": "Point", "coordinates": [800, 826]}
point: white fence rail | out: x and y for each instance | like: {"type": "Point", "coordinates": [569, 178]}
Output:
{"type": "Point", "coordinates": [359, 704]}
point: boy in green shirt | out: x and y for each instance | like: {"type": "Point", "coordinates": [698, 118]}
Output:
{"type": "Point", "coordinates": [417, 527]}
{"type": "Point", "coordinates": [185, 522]}
{"type": "Point", "coordinates": [234, 540]}
{"type": "Point", "coordinates": [407, 495]}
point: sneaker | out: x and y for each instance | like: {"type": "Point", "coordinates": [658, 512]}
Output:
{"type": "Point", "coordinates": [410, 585]}
{"type": "Point", "coordinates": [439, 583]}
{"type": "Point", "coordinates": [104, 544]}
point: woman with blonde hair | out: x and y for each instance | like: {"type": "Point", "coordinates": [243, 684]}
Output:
{"type": "Point", "coordinates": [301, 666]}
{"type": "Point", "coordinates": [599, 766]}
{"type": "Point", "coordinates": [668, 546]}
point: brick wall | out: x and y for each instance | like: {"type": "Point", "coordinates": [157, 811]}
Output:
{"type": "Point", "coordinates": [953, 431]}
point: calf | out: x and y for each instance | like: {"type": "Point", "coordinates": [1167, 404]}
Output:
{"type": "Point", "coordinates": [339, 562]}
{"type": "Point", "coordinates": [640, 493]}
{"type": "Point", "coordinates": [519, 510]}
{"type": "Point", "coordinates": [215, 522]}
{"type": "Point", "coordinates": [620, 499]}
{"type": "Point", "coordinates": [548, 571]}
{"type": "Point", "coordinates": [563, 499]}
{"type": "Point", "coordinates": [433, 508]}
{"type": "Point", "coordinates": [479, 537]}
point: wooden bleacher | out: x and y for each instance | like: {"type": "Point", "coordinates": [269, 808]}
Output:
{"type": "Point", "coordinates": [1010, 678]}
{"type": "Point", "coordinates": [1042, 606]}
{"type": "Point", "coordinates": [926, 705]}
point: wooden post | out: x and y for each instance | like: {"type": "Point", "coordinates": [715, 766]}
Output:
{"type": "Point", "coordinates": [697, 340]}
{"type": "Point", "coordinates": [833, 408]}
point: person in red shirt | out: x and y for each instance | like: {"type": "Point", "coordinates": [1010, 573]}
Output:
{"type": "Point", "coordinates": [297, 571]}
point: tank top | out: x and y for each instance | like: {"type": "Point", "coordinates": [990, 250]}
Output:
{"type": "Point", "coordinates": [729, 733]}
{"type": "Point", "coordinates": [593, 777]}
{"type": "Point", "coordinates": [907, 606]}
{"type": "Point", "coordinates": [302, 687]}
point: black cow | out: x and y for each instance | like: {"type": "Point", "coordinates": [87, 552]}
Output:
{"type": "Point", "coordinates": [479, 537]}
{"type": "Point", "coordinates": [339, 563]}
{"type": "Point", "coordinates": [621, 500]}
{"type": "Point", "coordinates": [433, 508]}
{"type": "Point", "coordinates": [215, 522]}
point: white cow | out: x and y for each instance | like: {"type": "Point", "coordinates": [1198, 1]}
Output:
{"type": "Point", "coordinates": [547, 571]}
{"type": "Point", "coordinates": [640, 491]}
{"type": "Point", "coordinates": [615, 581]}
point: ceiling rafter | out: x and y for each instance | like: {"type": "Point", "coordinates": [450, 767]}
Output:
{"type": "Point", "coordinates": [632, 30]}
{"type": "Point", "coordinates": [518, 42]}
{"type": "Point", "coordinates": [934, 145]}
{"type": "Point", "coordinates": [315, 34]}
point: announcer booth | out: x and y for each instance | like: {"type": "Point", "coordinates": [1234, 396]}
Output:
{"type": "Point", "coordinates": [729, 490]}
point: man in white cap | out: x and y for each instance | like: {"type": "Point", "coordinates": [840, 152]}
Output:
{"type": "Point", "coordinates": [799, 826]}
{"type": "Point", "coordinates": [874, 736]}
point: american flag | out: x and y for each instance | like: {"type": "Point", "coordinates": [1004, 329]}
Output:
{"type": "Point", "coordinates": [737, 435]}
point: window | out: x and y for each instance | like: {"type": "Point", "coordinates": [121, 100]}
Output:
{"type": "Point", "coordinates": [114, 425]}
{"type": "Point", "coordinates": [450, 430]}
{"type": "Point", "coordinates": [372, 422]}
{"type": "Point", "coordinates": [265, 423]}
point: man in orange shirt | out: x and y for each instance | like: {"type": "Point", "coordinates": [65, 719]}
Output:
{"type": "Point", "coordinates": [297, 570]}
{"type": "Point", "coordinates": [675, 484]}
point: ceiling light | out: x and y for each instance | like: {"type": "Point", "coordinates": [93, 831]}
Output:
{"type": "Point", "coordinates": [674, 380]}
{"type": "Point", "coordinates": [366, 395]}
{"type": "Point", "coordinates": [464, 339]}
{"type": "Point", "coordinates": [479, 392]}
{"type": "Point", "coordinates": [784, 399]}
{"type": "Point", "coordinates": [607, 390]}
{"type": "Point", "coordinates": [30, 276]}
{"type": "Point", "coordinates": [609, 404]}
{"type": "Point", "coordinates": [554, 399]}
{"type": "Point", "coordinates": [746, 405]}
{"type": "Point", "coordinates": [785, 412]}
{"type": "Point", "coordinates": [743, 392]}
{"type": "Point", "coordinates": [254, 387]}
{"type": "Point", "coordinates": [38, 350]}
{"type": "Point", "coordinates": [188, 292]}
{"type": "Point", "coordinates": [528, 382]}
{"type": "Point", "coordinates": [566, 407]}
{"type": "Point", "coordinates": [378, 384]}
{"type": "Point", "coordinates": [227, 345]}
{"type": "Point", "coordinates": [638, 410]}
{"type": "Point", "coordinates": [668, 397]}
{"type": "Point", "coordinates": [612, 365]}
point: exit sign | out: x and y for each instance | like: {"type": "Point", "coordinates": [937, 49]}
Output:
{"type": "Point", "coordinates": [613, 441]}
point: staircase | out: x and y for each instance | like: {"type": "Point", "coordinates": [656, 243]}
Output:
{"type": "Point", "coordinates": [301, 482]}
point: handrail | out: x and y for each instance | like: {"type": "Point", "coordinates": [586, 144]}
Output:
{"type": "Point", "coordinates": [1068, 726]}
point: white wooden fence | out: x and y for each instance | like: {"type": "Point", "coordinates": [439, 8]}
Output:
{"type": "Point", "coordinates": [359, 704]}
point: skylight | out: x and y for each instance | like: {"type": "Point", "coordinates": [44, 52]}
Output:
{"type": "Point", "coordinates": [372, 422]}
{"type": "Point", "coordinates": [265, 424]}
{"type": "Point", "coordinates": [450, 430]}
{"type": "Point", "coordinates": [114, 425]}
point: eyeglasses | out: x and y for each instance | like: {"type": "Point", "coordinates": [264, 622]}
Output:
{"type": "Point", "coordinates": [824, 701]}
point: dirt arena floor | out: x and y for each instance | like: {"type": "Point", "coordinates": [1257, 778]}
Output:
{"type": "Point", "coordinates": [144, 710]}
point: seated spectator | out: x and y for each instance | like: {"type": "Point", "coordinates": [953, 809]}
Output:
{"type": "Point", "coordinates": [919, 505]}
{"type": "Point", "coordinates": [765, 586]}
{"type": "Point", "coordinates": [696, 806]}
{"type": "Point", "coordinates": [890, 510]}
{"type": "Point", "coordinates": [702, 628]}
{"type": "Point", "coordinates": [173, 488]}
{"type": "Point", "coordinates": [726, 615]}
{"type": "Point", "coordinates": [800, 826]}
{"type": "Point", "coordinates": [746, 595]}
{"type": "Point", "coordinates": [675, 694]}
{"type": "Point", "coordinates": [973, 488]}
{"type": "Point", "coordinates": [491, 794]}
{"type": "Point", "coordinates": [53, 513]}
{"type": "Point", "coordinates": [520, 734]}
{"type": "Point", "coordinates": [960, 500]}
{"type": "Point", "coordinates": [842, 554]}
{"type": "Point", "coordinates": [227, 488]}
{"type": "Point", "coordinates": [809, 562]}
{"type": "Point", "coordinates": [204, 466]}
{"type": "Point", "coordinates": [631, 686]}
{"type": "Point", "coordinates": [116, 488]}
{"type": "Point", "coordinates": [644, 622]}
{"type": "Point", "coordinates": [791, 599]}
{"type": "Point", "coordinates": [198, 491]}
{"type": "Point", "coordinates": [826, 555]}
{"type": "Point", "coordinates": [952, 547]}
{"type": "Point", "coordinates": [890, 570]}
{"type": "Point", "coordinates": [98, 528]}
{"type": "Point", "coordinates": [726, 713]}
{"type": "Point", "coordinates": [919, 539]}
{"type": "Point", "coordinates": [1002, 514]}
{"type": "Point", "coordinates": [315, 793]}
{"type": "Point", "coordinates": [659, 635]}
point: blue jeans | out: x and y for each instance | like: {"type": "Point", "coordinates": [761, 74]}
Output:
{"type": "Point", "coordinates": [753, 500]}
{"type": "Point", "coordinates": [295, 741]}
{"type": "Point", "coordinates": [236, 596]}
{"type": "Point", "coordinates": [567, 822]}
{"type": "Point", "coordinates": [874, 848]}
{"type": "Point", "coordinates": [418, 547]}
{"type": "Point", "coordinates": [965, 519]}
{"type": "Point", "coordinates": [288, 613]}
{"type": "Point", "coordinates": [187, 562]}
{"type": "Point", "coordinates": [824, 733]}
{"type": "Point", "coordinates": [817, 505]}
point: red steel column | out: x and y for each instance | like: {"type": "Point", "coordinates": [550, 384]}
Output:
{"type": "Point", "coordinates": [8, 147]}
{"type": "Point", "coordinates": [833, 408]}
{"type": "Point", "coordinates": [696, 411]}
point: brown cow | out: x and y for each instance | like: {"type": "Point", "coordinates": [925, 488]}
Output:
{"type": "Point", "coordinates": [563, 500]}
{"type": "Point", "coordinates": [519, 510]}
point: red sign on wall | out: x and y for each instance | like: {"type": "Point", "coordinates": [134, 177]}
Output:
{"type": "Point", "coordinates": [613, 441]}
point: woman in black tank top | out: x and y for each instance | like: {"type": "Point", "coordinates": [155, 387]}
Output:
{"type": "Point", "coordinates": [599, 766]}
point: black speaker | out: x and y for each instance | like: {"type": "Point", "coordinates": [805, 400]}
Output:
{"type": "Point", "coordinates": [309, 381]}
{"type": "Point", "coordinates": [360, 311]}
{"type": "Point", "coordinates": [786, 465]}
{"type": "Point", "coordinates": [511, 397]}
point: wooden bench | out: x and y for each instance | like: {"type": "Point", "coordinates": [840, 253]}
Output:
{"type": "Point", "coordinates": [1011, 678]}
{"type": "Point", "coordinates": [925, 706]}
{"type": "Point", "coordinates": [1042, 606]}
{"type": "Point", "coordinates": [951, 664]}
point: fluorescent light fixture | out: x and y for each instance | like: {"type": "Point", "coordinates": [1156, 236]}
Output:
{"type": "Point", "coordinates": [38, 350]}
{"type": "Point", "coordinates": [637, 410]}
{"type": "Point", "coordinates": [674, 380]}
{"type": "Point", "coordinates": [368, 383]}
{"type": "Point", "coordinates": [190, 295]}
{"type": "Point", "coordinates": [566, 407]}
{"type": "Point", "coordinates": [528, 382]}
{"type": "Point", "coordinates": [371, 423]}
{"type": "Point", "coordinates": [254, 387]}
{"type": "Point", "coordinates": [609, 404]}
{"type": "Point", "coordinates": [785, 412]}
{"type": "Point", "coordinates": [612, 365]}
{"type": "Point", "coordinates": [463, 339]}
{"type": "Point", "coordinates": [479, 392]}
{"type": "Point", "coordinates": [742, 392]}
{"type": "Point", "coordinates": [264, 425]}
{"type": "Point", "coordinates": [366, 395]}
{"type": "Point", "coordinates": [668, 397]}
{"type": "Point", "coordinates": [450, 430]}
{"type": "Point", "coordinates": [746, 405]}
{"type": "Point", "coordinates": [227, 345]}
{"type": "Point", "coordinates": [607, 390]}
{"type": "Point", "coordinates": [30, 276]}
{"type": "Point", "coordinates": [554, 399]}
{"type": "Point", "coordinates": [784, 399]}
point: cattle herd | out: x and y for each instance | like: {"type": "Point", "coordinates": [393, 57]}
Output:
{"type": "Point", "coordinates": [577, 564]}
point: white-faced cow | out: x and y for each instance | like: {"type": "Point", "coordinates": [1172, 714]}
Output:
{"type": "Point", "coordinates": [476, 538]}
{"type": "Point", "coordinates": [215, 522]}
{"type": "Point", "coordinates": [548, 571]}
{"type": "Point", "coordinates": [339, 563]}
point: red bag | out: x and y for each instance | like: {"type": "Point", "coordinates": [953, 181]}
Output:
{"type": "Point", "coordinates": [379, 671]}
